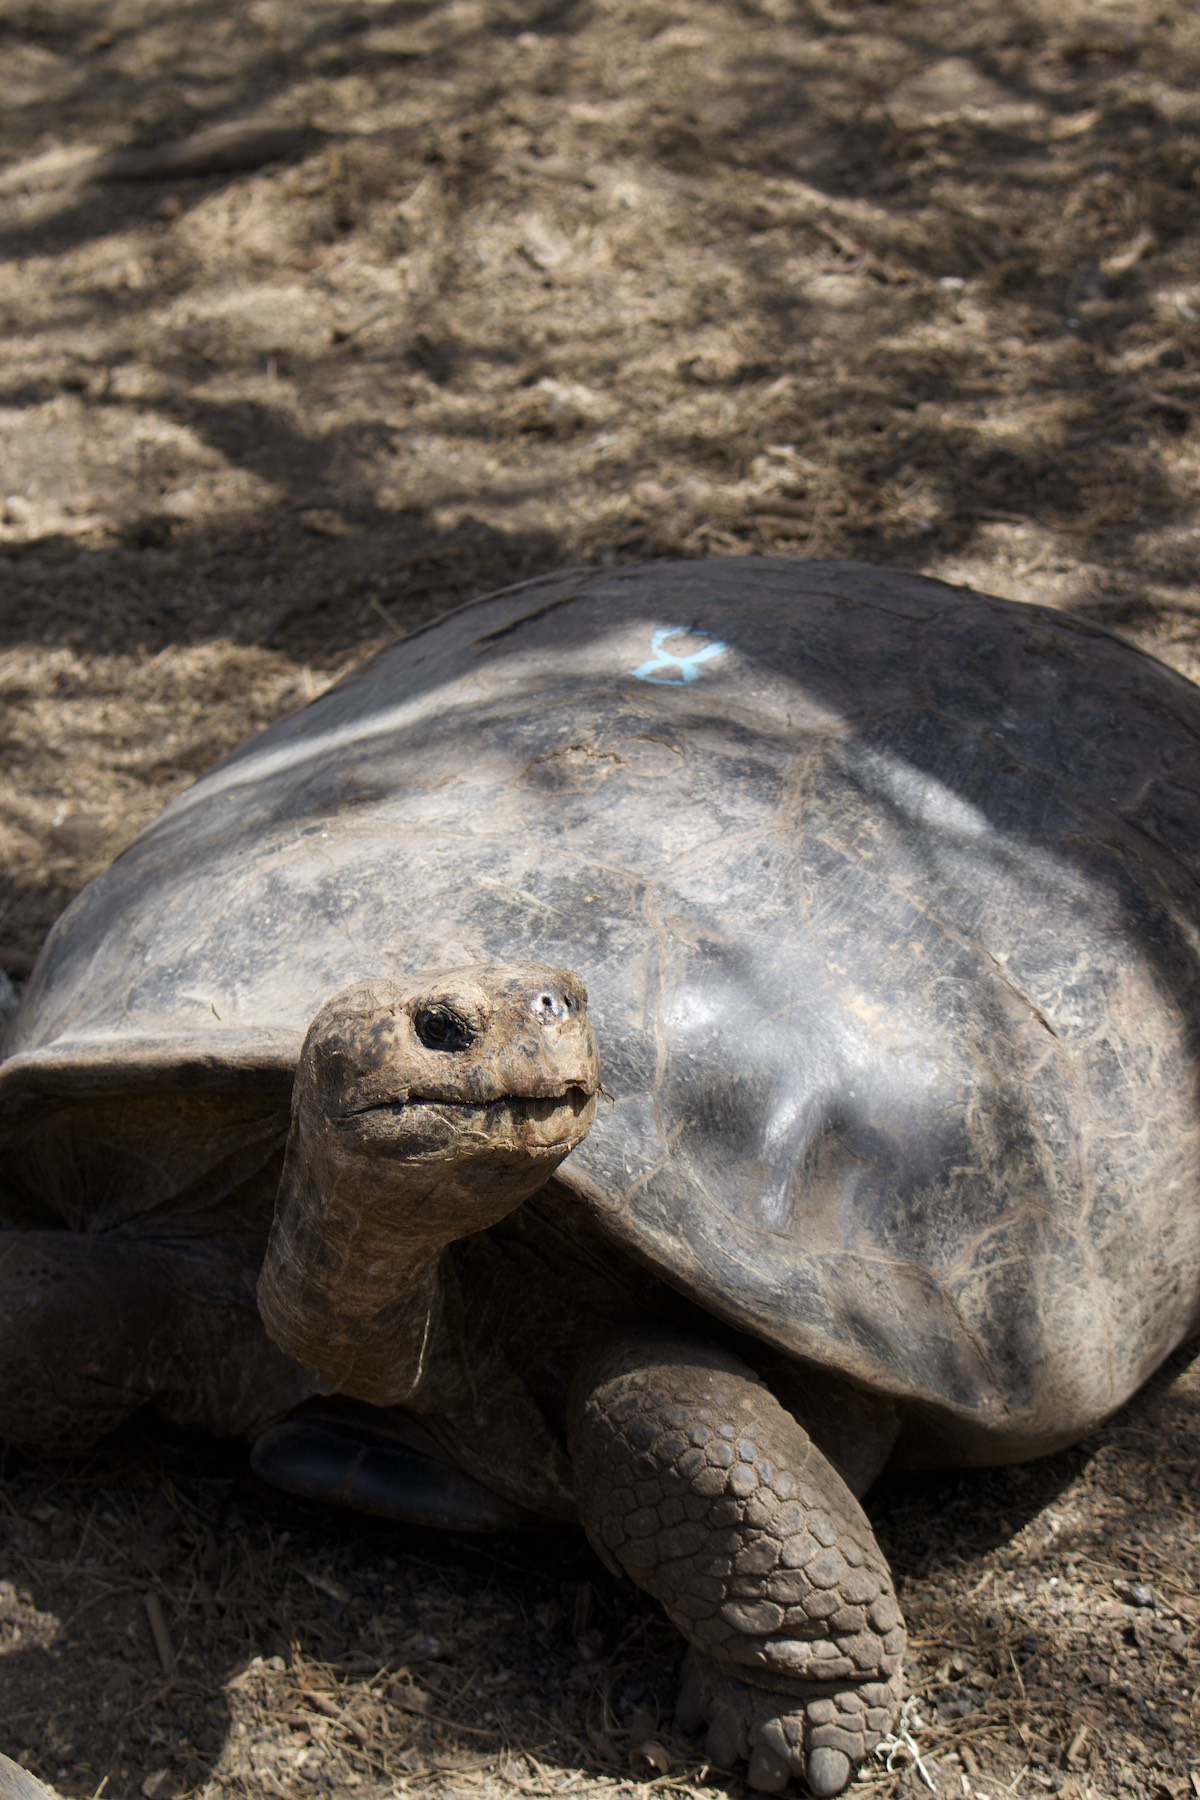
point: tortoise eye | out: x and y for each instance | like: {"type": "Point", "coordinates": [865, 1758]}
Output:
{"type": "Point", "coordinates": [441, 1028]}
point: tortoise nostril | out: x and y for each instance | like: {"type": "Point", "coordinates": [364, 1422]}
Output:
{"type": "Point", "coordinates": [439, 1027]}
{"type": "Point", "coordinates": [548, 1005]}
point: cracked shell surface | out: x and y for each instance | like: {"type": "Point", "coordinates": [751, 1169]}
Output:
{"type": "Point", "coordinates": [885, 896]}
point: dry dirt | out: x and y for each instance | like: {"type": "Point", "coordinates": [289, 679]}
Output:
{"type": "Point", "coordinates": [506, 286]}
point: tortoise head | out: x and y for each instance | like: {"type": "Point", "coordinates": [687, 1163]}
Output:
{"type": "Point", "coordinates": [420, 1113]}
{"type": "Point", "coordinates": [499, 1058]}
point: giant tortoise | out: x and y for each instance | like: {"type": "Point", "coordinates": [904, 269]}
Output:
{"type": "Point", "coordinates": [886, 898]}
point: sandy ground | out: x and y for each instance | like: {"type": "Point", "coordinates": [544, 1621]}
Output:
{"type": "Point", "coordinates": [481, 290]}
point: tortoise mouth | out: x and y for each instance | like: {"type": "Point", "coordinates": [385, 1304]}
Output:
{"type": "Point", "coordinates": [564, 1109]}
{"type": "Point", "coordinates": [573, 1099]}
{"type": "Point", "coordinates": [442, 1121]}
{"type": "Point", "coordinates": [573, 1096]}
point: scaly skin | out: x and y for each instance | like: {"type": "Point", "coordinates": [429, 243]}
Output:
{"type": "Point", "coordinates": [696, 1483]}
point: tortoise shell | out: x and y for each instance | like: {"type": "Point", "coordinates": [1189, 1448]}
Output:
{"type": "Point", "coordinates": [885, 895]}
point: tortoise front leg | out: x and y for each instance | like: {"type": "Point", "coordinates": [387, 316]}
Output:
{"type": "Point", "coordinates": [696, 1482]}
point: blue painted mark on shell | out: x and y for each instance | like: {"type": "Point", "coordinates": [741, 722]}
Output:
{"type": "Point", "coordinates": [686, 667]}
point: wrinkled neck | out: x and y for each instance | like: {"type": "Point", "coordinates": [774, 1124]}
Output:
{"type": "Point", "coordinates": [352, 1284]}
{"type": "Point", "coordinates": [337, 1290]}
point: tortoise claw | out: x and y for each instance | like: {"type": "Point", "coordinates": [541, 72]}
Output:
{"type": "Point", "coordinates": [816, 1738]}
{"type": "Point", "coordinates": [768, 1771]}
{"type": "Point", "coordinates": [828, 1772]}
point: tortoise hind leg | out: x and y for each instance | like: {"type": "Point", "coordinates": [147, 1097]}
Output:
{"type": "Point", "coordinates": [697, 1483]}
{"type": "Point", "coordinates": [93, 1327]}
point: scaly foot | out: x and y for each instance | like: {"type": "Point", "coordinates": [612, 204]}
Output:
{"type": "Point", "coordinates": [697, 1483]}
{"type": "Point", "coordinates": [818, 1737]}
